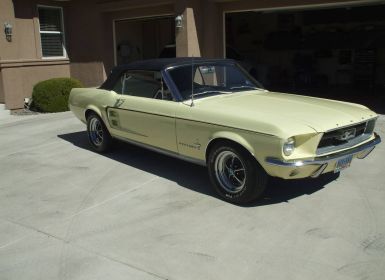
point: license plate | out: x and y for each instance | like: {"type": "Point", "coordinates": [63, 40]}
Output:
{"type": "Point", "coordinates": [343, 163]}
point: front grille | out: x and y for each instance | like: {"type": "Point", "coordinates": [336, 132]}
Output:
{"type": "Point", "coordinates": [345, 137]}
{"type": "Point", "coordinates": [332, 138]}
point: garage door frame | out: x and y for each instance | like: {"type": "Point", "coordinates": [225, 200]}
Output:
{"type": "Point", "coordinates": [139, 18]}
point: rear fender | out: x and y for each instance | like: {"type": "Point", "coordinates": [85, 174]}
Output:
{"type": "Point", "coordinates": [94, 109]}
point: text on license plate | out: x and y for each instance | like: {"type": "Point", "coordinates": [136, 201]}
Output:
{"type": "Point", "coordinates": [343, 163]}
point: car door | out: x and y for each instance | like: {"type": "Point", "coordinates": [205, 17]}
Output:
{"type": "Point", "coordinates": [138, 115]}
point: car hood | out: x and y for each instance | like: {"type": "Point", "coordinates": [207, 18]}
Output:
{"type": "Point", "coordinates": [286, 113]}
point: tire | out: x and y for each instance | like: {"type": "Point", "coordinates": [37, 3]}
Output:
{"type": "Point", "coordinates": [98, 135]}
{"type": "Point", "coordinates": [235, 175]}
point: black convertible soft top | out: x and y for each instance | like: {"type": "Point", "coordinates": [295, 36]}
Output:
{"type": "Point", "coordinates": [153, 65]}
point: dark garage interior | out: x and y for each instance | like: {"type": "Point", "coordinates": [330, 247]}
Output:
{"type": "Point", "coordinates": [138, 39]}
{"type": "Point", "coordinates": [334, 53]}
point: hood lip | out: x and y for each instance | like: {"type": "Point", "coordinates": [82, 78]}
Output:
{"type": "Point", "coordinates": [355, 123]}
{"type": "Point", "coordinates": [316, 130]}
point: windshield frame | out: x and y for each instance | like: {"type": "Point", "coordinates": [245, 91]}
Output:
{"type": "Point", "coordinates": [179, 97]}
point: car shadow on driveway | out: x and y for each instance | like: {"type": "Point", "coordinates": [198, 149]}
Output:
{"type": "Point", "coordinates": [195, 177]}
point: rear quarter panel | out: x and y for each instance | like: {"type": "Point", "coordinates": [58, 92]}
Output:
{"type": "Point", "coordinates": [82, 99]}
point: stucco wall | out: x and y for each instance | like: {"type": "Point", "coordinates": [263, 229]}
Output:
{"type": "Point", "coordinates": [1, 88]}
{"type": "Point", "coordinates": [23, 16]}
{"type": "Point", "coordinates": [13, 49]}
{"type": "Point", "coordinates": [91, 74]}
{"type": "Point", "coordinates": [84, 30]}
{"type": "Point", "coordinates": [21, 62]}
{"type": "Point", "coordinates": [18, 80]}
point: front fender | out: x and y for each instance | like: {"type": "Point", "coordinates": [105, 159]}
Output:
{"type": "Point", "coordinates": [259, 145]}
{"type": "Point", "coordinates": [232, 136]}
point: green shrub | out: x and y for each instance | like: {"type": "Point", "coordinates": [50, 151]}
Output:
{"type": "Point", "coordinates": [52, 95]}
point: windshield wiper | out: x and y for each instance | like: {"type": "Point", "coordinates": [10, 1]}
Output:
{"type": "Point", "coordinates": [244, 87]}
{"type": "Point", "coordinates": [208, 92]}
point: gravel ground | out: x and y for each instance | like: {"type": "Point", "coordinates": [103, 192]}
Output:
{"type": "Point", "coordinates": [24, 112]}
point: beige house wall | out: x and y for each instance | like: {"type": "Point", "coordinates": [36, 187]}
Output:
{"type": "Point", "coordinates": [187, 41]}
{"type": "Point", "coordinates": [212, 22]}
{"type": "Point", "coordinates": [85, 32]}
{"type": "Point", "coordinates": [19, 78]}
{"type": "Point", "coordinates": [15, 48]}
{"type": "Point", "coordinates": [23, 16]}
{"type": "Point", "coordinates": [21, 62]}
{"type": "Point", "coordinates": [1, 89]}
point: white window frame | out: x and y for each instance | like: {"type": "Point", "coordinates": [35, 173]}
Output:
{"type": "Point", "coordinates": [53, 32]}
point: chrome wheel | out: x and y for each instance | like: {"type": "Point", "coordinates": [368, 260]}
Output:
{"type": "Point", "coordinates": [230, 172]}
{"type": "Point", "coordinates": [96, 131]}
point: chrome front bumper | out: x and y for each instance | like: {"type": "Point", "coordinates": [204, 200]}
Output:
{"type": "Point", "coordinates": [323, 161]}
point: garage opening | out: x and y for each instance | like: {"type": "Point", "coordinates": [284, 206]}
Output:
{"type": "Point", "coordinates": [336, 53]}
{"type": "Point", "coordinates": [137, 39]}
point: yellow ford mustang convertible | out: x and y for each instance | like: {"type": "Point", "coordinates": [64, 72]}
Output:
{"type": "Point", "coordinates": [213, 113]}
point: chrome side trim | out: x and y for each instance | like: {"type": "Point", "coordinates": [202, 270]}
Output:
{"type": "Point", "coordinates": [325, 159]}
{"type": "Point", "coordinates": [162, 151]}
{"type": "Point", "coordinates": [191, 120]}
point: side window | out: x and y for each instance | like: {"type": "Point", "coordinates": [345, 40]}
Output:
{"type": "Point", "coordinates": [139, 83]}
{"type": "Point", "coordinates": [218, 76]}
{"type": "Point", "coordinates": [207, 75]}
{"type": "Point", "coordinates": [146, 84]}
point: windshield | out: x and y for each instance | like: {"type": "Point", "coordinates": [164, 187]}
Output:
{"type": "Point", "coordinates": [211, 79]}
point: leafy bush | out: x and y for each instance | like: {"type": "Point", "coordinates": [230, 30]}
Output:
{"type": "Point", "coordinates": [52, 95]}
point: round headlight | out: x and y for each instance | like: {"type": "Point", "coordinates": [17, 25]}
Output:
{"type": "Point", "coordinates": [288, 146]}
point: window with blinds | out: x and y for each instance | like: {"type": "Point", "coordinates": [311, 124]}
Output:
{"type": "Point", "coordinates": [51, 31]}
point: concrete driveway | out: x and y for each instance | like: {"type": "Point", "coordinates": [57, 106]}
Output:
{"type": "Point", "coordinates": [69, 213]}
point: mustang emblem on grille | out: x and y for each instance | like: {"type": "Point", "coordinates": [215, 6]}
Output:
{"type": "Point", "coordinates": [347, 134]}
